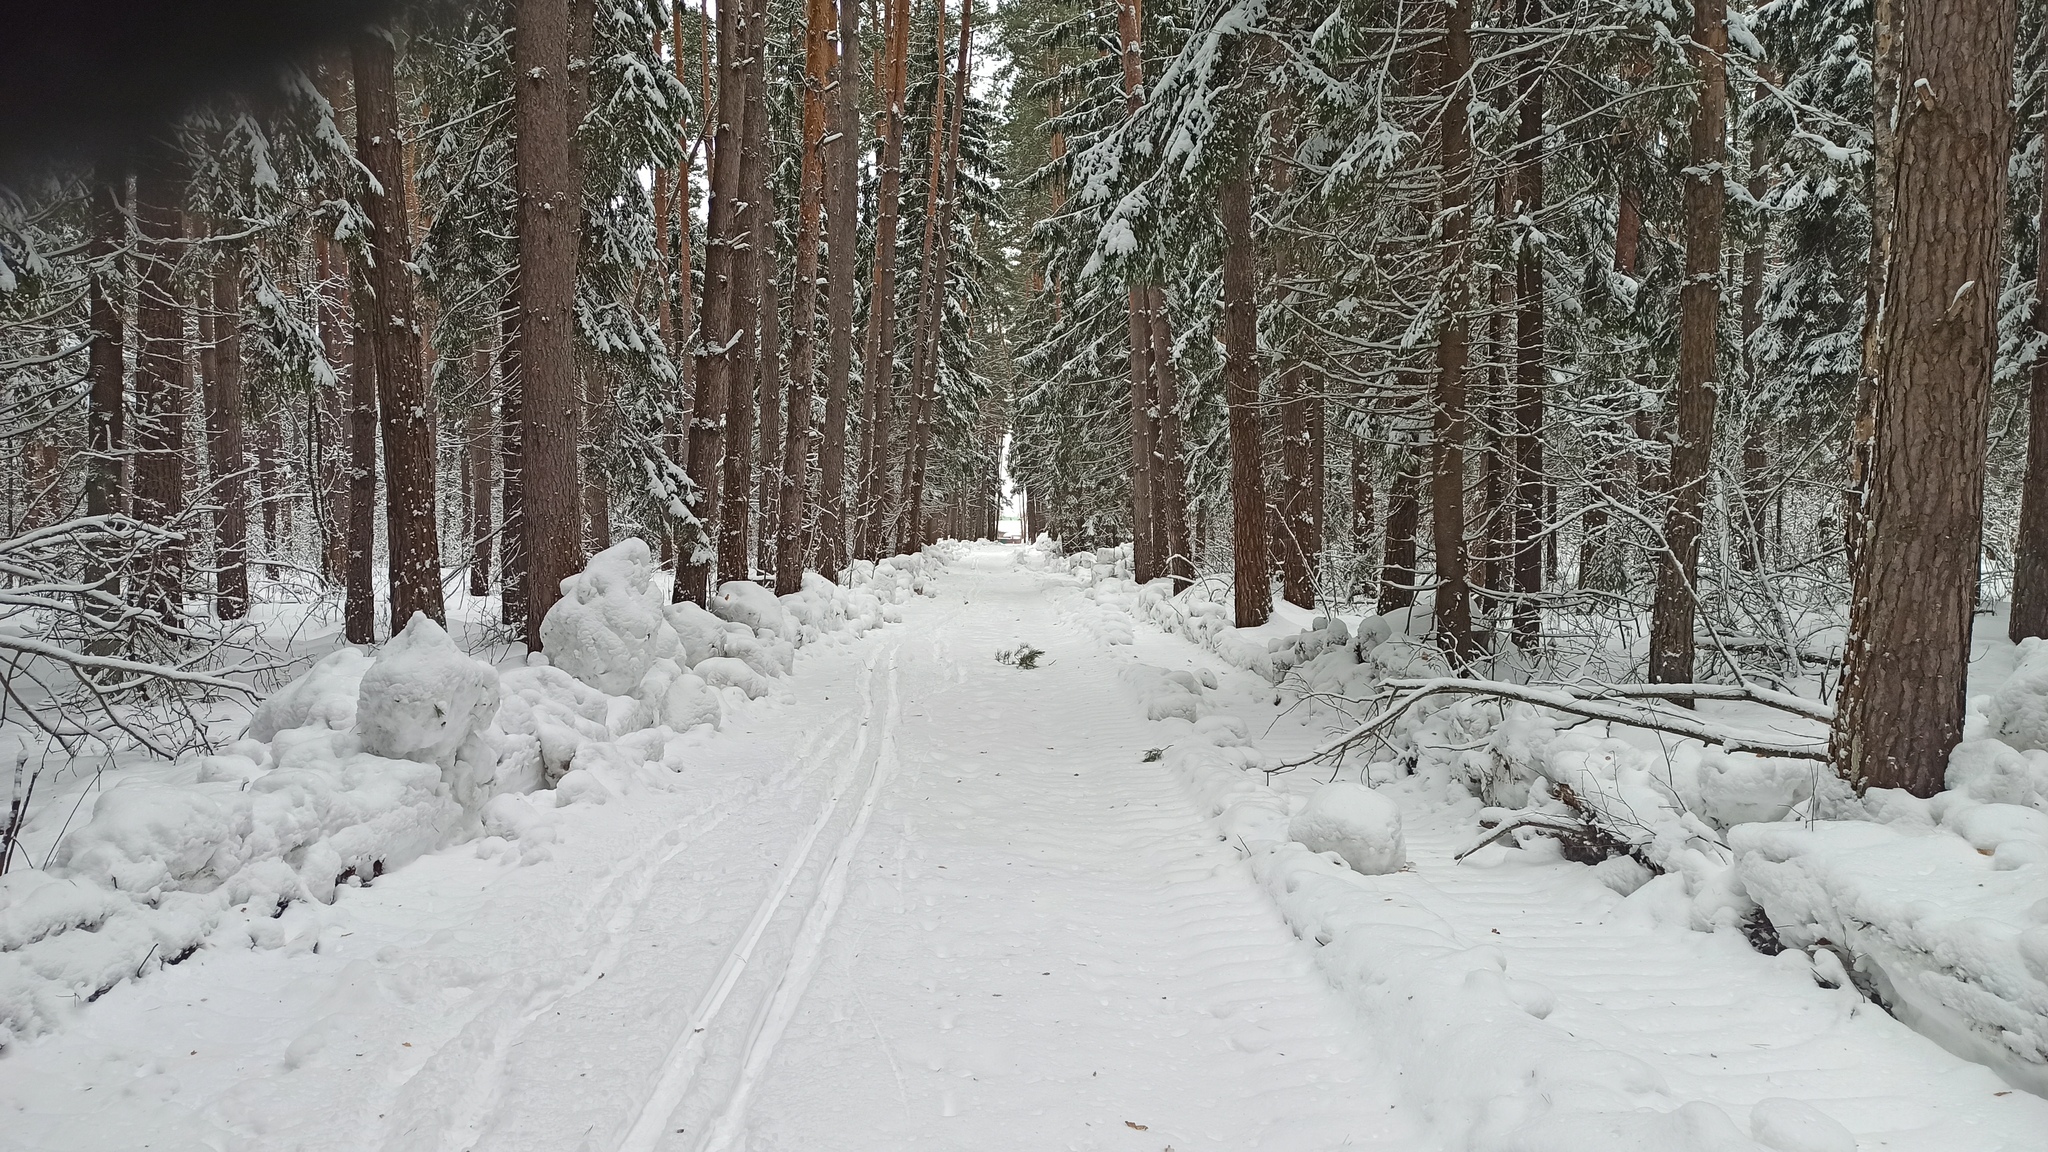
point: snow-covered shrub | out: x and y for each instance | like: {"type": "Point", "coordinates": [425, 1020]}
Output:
{"type": "Point", "coordinates": [2018, 710]}
{"type": "Point", "coordinates": [550, 715]}
{"type": "Point", "coordinates": [1357, 823]}
{"type": "Point", "coordinates": [745, 602]}
{"type": "Point", "coordinates": [1166, 693]}
{"type": "Point", "coordinates": [609, 626]}
{"type": "Point", "coordinates": [701, 634]}
{"type": "Point", "coordinates": [424, 698]}
{"type": "Point", "coordinates": [1994, 772]}
{"type": "Point", "coordinates": [324, 697]}
{"type": "Point", "coordinates": [727, 672]}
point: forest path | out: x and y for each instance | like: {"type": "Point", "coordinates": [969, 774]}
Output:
{"type": "Point", "coordinates": [929, 900]}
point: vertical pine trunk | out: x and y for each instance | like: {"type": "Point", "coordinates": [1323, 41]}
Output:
{"type": "Point", "coordinates": [2030, 551]}
{"type": "Point", "coordinates": [1692, 445]}
{"type": "Point", "coordinates": [1531, 352]}
{"type": "Point", "coordinates": [106, 383]}
{"type": "Point", "coordinates": [1362, 519]}
{"type": "Point", "coordinates": [1296, 520]}
{"type": "Point", "coordinates": [818, 68]}
{"type": "Point", "coordinates": [481, 452]}
{"type": "Point", "coordinates": [921, 441]}
{"type": "Point", "coordinates": [748, 307]}
{"type": "Point", "coordinates": [1755, 425]}
{"type": "Point", "coordinates": [1914, 579]}
{"type": "Point", "coordinates": [551, 403]}
{"type": "Point", "coordinates": [1452, 606]}
{"type": "Point", "coordinates": [1253, 598]}
{"type": "Point", "coordinates": [224, 442]}
{"type": "Point", "coordinates": [597, 489]}
{"type": "Point", "coordinates": [1144, 565]}
{"type": "Point", "coordinates": [1171, 467]}
{"type": "Point", "coordinates": [359, 611]}
{"type": "Point", "coordinates": [878, 377]}
{"type": "Point", "coordinates": [160, 398]}
{"type": "Point", "coordinates": [511, 467]}
{"type": "Point", "coordinates": [1404, 513]}
{"type": "Point", "coordinates": [331, 427]}
{"type": "Point", "coordinates": [769, 497]}
{"type": "Point", "coordinates": [899, 519]}
{"type": "Point", "coordinates": [412, 538]}
{"type": "Point", "coordinates": [842, 223]}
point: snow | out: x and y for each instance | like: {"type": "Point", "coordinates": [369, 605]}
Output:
{"type": "Point", "coordinates": [1358, 824]}
{"type": "Point", "coordinates": [609, 628]}
{"type": "Point", "coordinates": [912, 897]}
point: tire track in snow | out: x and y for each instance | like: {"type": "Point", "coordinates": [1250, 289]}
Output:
{"type": "Point", "coordinates": [686, 1054]}
{"type": "Point", "coordinates": [479, 1050]}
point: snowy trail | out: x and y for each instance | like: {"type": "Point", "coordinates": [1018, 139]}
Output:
{"type": "Point", "coordinates": [930, 901]}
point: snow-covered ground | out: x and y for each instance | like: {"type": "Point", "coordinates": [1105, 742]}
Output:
{"type": "Point", "coordinates": [918, 897]}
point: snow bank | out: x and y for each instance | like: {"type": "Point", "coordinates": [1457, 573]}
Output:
{"type": "Point", "coordinates": [1356, 823]}
{"type": "Point", "coordinates": [1166, 693]}
{"type": "Point", "coordinates": [609, 627]}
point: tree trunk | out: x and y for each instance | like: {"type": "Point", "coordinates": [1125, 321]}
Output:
{"type": "Point", "coordinates": [1144, 566]}
{"type": "Point", "coordinates": [1362, 519]}
{"type": "Point", "coordinates": [879, 376]}
{"type": "Point", "coordinates": [331, 431]}
{"type": "Point", "coordinates": [106, 384]}
{"type": "Point", "coordinates": [481, 452]}
{"type": "Point", "coordinates": [224, 441]}
{"type": "Point", "coordinates": [412, 538]}
{"type": "Point", "coordinates": [1297, 521]}
{"type": "Point", "coordinates": [1531, 339]}
{"type": "Point", "coordinates": [842, 225]}
{"type": "Point", "coordinates": [597, 489]}
{"type": "Point", "coordinates": [769, 498]}
{"type": "Point", "coordinates": [1452, 608]}
{"type": "Point", "coordinates": [1692, 446]}
{"type": "Point", "coordinates": [736, 512]}
{"type": "Point", "coordinates": [899, 516]}
{"type": "Point", "coordinates": [550, 403]}
{"type": "Point", "coordinates": [1404, 512]}
{"type": "Point", "coordinates": [160, 399]}
{"type": "Point", "coordinates": [1171, 466]}
{"type": "Point", "coordinates": [1254, 594]}
{"type": "Point", "coordinates": [818, 65]}
{"type": "Point", "coordinates": [511, 466]}
{"type": "Point", "coordinates": [359, 611]}
{"type": "Point", "coordinates": [2030, 551]}
{"type": "Point", "coordinates": [1900, 710]}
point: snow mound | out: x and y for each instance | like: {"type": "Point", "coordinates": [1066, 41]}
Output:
{"type": "Point", "coordinates": [2018, 710]}
{"type": "Point", "coordinates": [1786, 1125]}
{"type": "Point", "coordinates": [701, 634]}
{"type": "Point", "coordinates": [727, 672]}
{"type": "Point", "coordinates": [1997, 773]}
{"type": "Point", "coordinates": [745, 602]}
{"type": "Point", "coordinates": [424, 699]}
{"type": "Point", "coordinates": [1356, 823]}
{"type": "Point", "coordinates": [1165, 693]}
{"type": "Point", "coordinates": [324, 697]}
{"type": "Point", "coordinates": [609, 626]}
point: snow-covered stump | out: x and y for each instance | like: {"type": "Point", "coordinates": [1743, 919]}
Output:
{"type": "Point", "coordinates": [1355, 822]}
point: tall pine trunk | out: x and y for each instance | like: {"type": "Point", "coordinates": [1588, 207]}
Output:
{"type": "Point", "coordinates": [1692, 445]}
{"type": "Point", "coordinates": [1404, 513]}
{"type": "Point", "coordinates": [818, 64]}
{"type": "Point", "coordinates": [481, 452]}
{"type": "Point", "coordinates": [359, 609]}
{"type": "Point", "coordinates": [331, 429]}
{"type": "Point", "coordinates": [511, 467]}
{"type": "Point", "coordinates": [1531, 338]}
{"type": "Point", "coordinates": [1253, 598]}
{"type": "Point", "coordinates": [842, 174]}
{"type": "Point", "coordinates": [1171, 466]}
{"type": "Point", "coordinates": [1452, 605]}
{"type": "Point", "coordinates": [1914, 579]}
{"type": "Point", "coordinates": [106, 380]}
{"type": "Point", "coordinates": [748, 306]}
{"type": "Point", "coordinates": [878, 377]}
{"type": "Point", "coordinates": [900, 524]}
{"type": "Point", "coordinates": [223, 381]}
{"type": "Point", "coordinates": [412, 539]}
{"type": "Point", "coordinates": [2030, 552]}
{"type": "Point", "coordinates": [697, 550]}
{"type": "Point", "coordinates": [160, 397]}
{"type": "Point", "coordinates": [1295, 539]}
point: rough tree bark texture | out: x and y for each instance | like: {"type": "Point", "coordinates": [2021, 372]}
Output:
{"type": "Point", "coordinates": [904, 513]}
{"type": "Point", "coordinates": [1171, 467]}
{"type": "Point", "coordinates": [230, 488]}
{"type": "Point", "coordinates": [1362, 519]}
{"type": "Point", "coordinates": [105, 421]}
{"type": "Point", "coordinates": [1404, 511]}
{"type": "Point", "coordinates": [160, 398]}
{"type": "Point", "coordinates": [789, 541]}
{"type": "Point", "coordinates": [1900, 710]}
{"type": "Point", "coordinates": [768, 386]}
{"type": "Point", "coordinates": [1692, 445]}
{"type": "Point", "coordinates": [841, 232]}
{"type": "Point", "coordinates": [1295, 539]}
{"type": "Point", "coordinates": [2030, 552]}
{"type": "Point", "coordinates": [412, 539]}
{"type": "Point", "coordinates": [331, 430]}
{"type": "Point", "coordinates": [878, 382]}
{"type": "Point", "coordinates": [696, 550]}
{"type": "Point", "coordinates": [736, 512]}
{"type": "Point", "coordinates": [1144, 565]}
{"type": "Point", "coordinates": [481, 453]}
{"type": "Point", "coordinates": [1530, 347]}
{"type": "Point", "coordinates": [1253, 598]}
{"type": "Point", "coordinates": [511, 466]}
{"type": "Point", "coordinates": [359, 610]}
{"type": "Point", "coordinates": [1452, 603]}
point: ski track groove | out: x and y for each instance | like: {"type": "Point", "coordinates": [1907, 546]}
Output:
{"type": "Point", "coordinates": [464, 1124]}
{"type": "Point", "coordinates": [686, 1052]}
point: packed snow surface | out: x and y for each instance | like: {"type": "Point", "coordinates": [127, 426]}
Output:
{"type": "Point", "coordinates": [911, 896]}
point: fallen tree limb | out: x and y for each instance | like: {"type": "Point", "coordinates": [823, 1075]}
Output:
{"type": "Point", "coordinates": [1402, 695]}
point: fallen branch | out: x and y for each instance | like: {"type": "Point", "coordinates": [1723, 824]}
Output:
{"type": "Point", "coordinates": [1405, 694]}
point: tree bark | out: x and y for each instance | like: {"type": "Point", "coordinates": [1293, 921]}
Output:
{"type": "Point", "coordinates": [223, 380]}
{"type": "Point", "coordinates": [1531, 352]}
{"type": "Point", "coordinates": [878, 378]}
{"type": "Point", "coordinates": [1452, 607]}
{"type": "Point", "coordinates": [842, 224]}
{"type": "Point", "coordinates": [1144, 565]}
{"type": "Point", "coordinates": [359, 610]}
{"type": "Point", "coordinates": [106, 383]}
{"type": "Point", "coordinates": [769, 498]}
{"type": "Point", "coordinates": [698, 549]}
{"type": "Point", "coordinates": [902, 518]}
{"type": "Point", "coordinates": [481, 451]}
{"type": "Point", "coordinates": [1253, 596]}
{"type": "Point", "coordinates": [551, 403]}
{"type": "Point", "coordinates": [412, 539]}
{"type": "Point", "coordinates": [1297, 525]}
{"type": "Point", "coordinates": [1914, 579]}
{"type": "Point", "coordinates": [160, 375]}
{"type": "Point", "coordinates": [1171, 466]}
{"type": "Point", "coordinates": [1362, 518]}
{"type": "Point", "coordinates": [2030, 551]}
{"type": "Point", "coordinates": [1692, 446]}
{"type": "Point", "coordinates": [748, 307]}
{"type": "Point", "coordinates": [511, 466]}
{"type": "Point", "coordinates": [1404, 511]}
{"type": "Point", "coordinates": [818, 68]}
{"type": "Point", "coordinates": [331, 432]}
